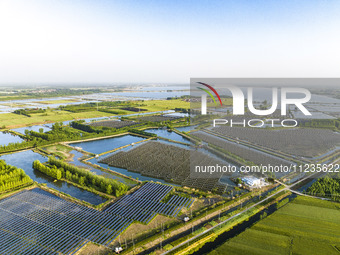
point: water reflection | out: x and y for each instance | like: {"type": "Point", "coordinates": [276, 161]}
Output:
{"type": "Point", "coordinates": [24, 160]}
{"type": "Point", "coordinates": [7, 138]}
{"type": "Point", "coordinates": [107, 144]}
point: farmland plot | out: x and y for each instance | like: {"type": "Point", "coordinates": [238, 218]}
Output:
{"type": "Point", "coordinates": [167, 162]}
{"type": "Point", "coordinates": [305, 142]}
{"type": "Point", "coordinates": [304, 226]}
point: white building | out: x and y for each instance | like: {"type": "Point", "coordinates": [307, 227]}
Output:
{"type": "Point", "coordinates": [251, 181]}
{"type": "Point", "coordinates": [118, 249]}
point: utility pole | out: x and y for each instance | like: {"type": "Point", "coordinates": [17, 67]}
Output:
{"type": "Point", "coordinates": [133, 242]}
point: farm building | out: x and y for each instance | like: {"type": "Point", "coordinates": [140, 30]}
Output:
{"type": "Point", "coordinates": [251, 181]}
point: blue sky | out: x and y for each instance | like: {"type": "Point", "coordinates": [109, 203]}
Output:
{"type": "Point", "coordinates": [166, 41]}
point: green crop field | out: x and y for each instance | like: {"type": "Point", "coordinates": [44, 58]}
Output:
{"type": "Point", "coordinates": [303, 226]}
{"type": "Point", "coordinates": [11, 120]}
{"type": "Point", "coordinates": [163, 105]}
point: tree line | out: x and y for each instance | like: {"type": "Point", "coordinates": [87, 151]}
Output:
{"type": "Point", "coordinates": [326, 186]}
{"type": "Point", "coordinates": [28, 112]}
{"type": "Point", "coordinates": [12, 177]}
{"type": "Point", "coordinates": [60, 170]}
{"type": "Point", "coordinates": [87, 128]}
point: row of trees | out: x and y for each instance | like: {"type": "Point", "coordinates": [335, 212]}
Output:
{"type": "Point", "coordinates": [18, 146]}
{"type": "Point", "coordinates": [57, 134]}
{"type": "Point", "coordinates": [28, 112]}
{"type": "Point", "coordinates": [321, 123]}
{"type": "Point", "coordinates": [326, 186]}
{"type": "Point", "coordinates": [59, 169]}
{"type": "Point", "coordinates": [107, 106]}
{"type": "Point", "coordinates": [51, 171]}
{"type": "Point", "coordinates": [183, 110]}
{"type": "Point", "coordinates": [34, 139]}
{"type": "Point", "coordinates": [12, 177]}
{"type": "Point", "coordinates": [87, 128]}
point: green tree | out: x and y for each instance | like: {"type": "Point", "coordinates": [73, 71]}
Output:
{"type": "Point", "coordinates": [109, 189]}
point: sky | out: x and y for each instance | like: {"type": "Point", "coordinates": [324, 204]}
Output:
{"type": "Point", "coordinates": [98, 41]}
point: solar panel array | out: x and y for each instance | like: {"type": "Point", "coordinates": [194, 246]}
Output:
{"type": "Point", "coordinates": [180, 202]}
{"type": "Point", "coordinates": [144, 204]}
{"type": "Point", "coordinates": [36, 222]}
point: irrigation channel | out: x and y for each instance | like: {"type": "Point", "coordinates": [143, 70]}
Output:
{"type": "Point", "coordinates": [189, 231]}
{"type": "Point", "coordinates": [77, 162]}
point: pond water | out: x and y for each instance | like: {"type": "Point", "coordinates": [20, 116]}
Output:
{"type": "Point", "coordinates": [24, 160]}
{"type": "Point", "coordinates": [107, 144]}
{"type": "Point", "coordinates": [32, 128]}
{"type": "Point", "coordinates": [5, 106]}
{"type": "Point", "coordinates": [163, 88]}
{"type": "Point", "coordinates": [167, 134]}
{"type": "Point", "coordinates": [148, 94]}
{"type": "Point", "coordinates": [77, 162]}
{"type": "Point", "coordinates": [6, 138]}
{"type": "Point", "coordinates": [158, 92]}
